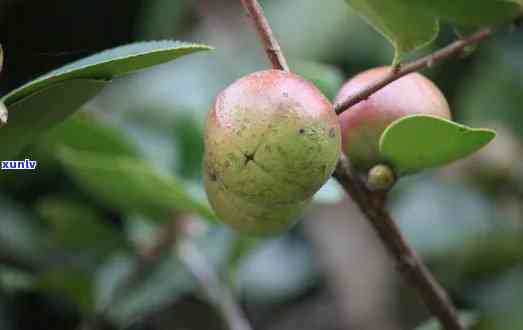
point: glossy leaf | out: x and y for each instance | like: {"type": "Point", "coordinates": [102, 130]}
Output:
{"type": "Point", "coordinates": [418, 142]}
{"type": "Point", "coordinates": [407, 27]}
{"type": "Point", "coordinates": [130, 185]}
{"type": "Point", "coordinates": [47, 100]}
{"type": "Point", "coordinates": [110, 63]}
{"type": "Point", "coordinates": [31, 116]}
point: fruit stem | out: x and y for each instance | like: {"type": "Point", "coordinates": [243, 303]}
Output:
{"type": "Point", "coordinates": [272, 47]}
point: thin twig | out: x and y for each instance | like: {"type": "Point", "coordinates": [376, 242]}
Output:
{"type": "Point", "coordinates": [271, 45]}
{"type": "Point", "coordinates": [218, 293]}
{"type": "Point", "coordinates": [451, 50]}
{"type": "Point", "coordinates": [372, 204]}
{"type": "Point", "coordinates": [408, 262]}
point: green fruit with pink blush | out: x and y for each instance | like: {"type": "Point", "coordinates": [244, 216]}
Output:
{"type": "Point", "coordinates": [363, 124]}
{"type": "Point", "coordinates": [271, 141]}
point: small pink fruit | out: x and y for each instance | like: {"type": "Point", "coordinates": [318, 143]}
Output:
{"type": "Point", "coordinates": [363, 124]}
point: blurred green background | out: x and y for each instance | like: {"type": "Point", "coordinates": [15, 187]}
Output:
{"type": "Point", "coordinates": [79, 247]}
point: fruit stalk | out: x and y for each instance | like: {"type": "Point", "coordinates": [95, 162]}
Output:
{"type": "Point", "coordinates": [270, 43]}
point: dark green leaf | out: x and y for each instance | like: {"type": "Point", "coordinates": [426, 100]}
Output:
{"type": "Point", "coordinates": [130, 185]}
{"type": "Point", "coordinates": [31, 116]}
{"type": "Point", "coordinates": [47, 100]}
{"type": "Point", "coordinates": [418, 142]}
{"type": "Point", "coordinates": [407, 27]}
{"type": "Point", "coordinates": [109, 64]}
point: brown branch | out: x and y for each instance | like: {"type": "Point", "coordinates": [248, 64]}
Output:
{"type": "Point", "coordinates": [372, 204]}
{"type": "Point", "coordinates": [271, 45]}
{"type": "Point", "coordinates": [451, 50]}
{"type": "Point", "coordinates": [408, 262]}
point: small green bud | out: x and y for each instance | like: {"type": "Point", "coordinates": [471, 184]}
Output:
{"type": "Point", "coordinates": [381, 177]}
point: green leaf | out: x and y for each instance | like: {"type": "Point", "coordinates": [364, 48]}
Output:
{"type": "Point", "coordinates": [473, 13]}
{"type": "Point", "coordinates": [407, 27]}
{"type": "Point", "coordinates": [47, 100]}
{"type": "Point", "coordinates": [79, 227]}
{"type": "Point", "coordinates": [130, 185]}
{"type": "Point", "coordinates": [109, 64]}
{"type": "Point", "coordinates": [468, 319]}
{"type": "Point", "coordinates": [418, 142]}
{"type": "Point", "coordinates": [413, 24]}
{"type": "Point", "coordinates": [31, 116]}
{"type": "Point", "coordinates": [89, 133]}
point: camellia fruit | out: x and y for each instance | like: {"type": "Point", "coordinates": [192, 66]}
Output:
{"type": "Point", "coordinates": [363, 124]}
{"type": "Point", "coordinates": [271, 141]}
